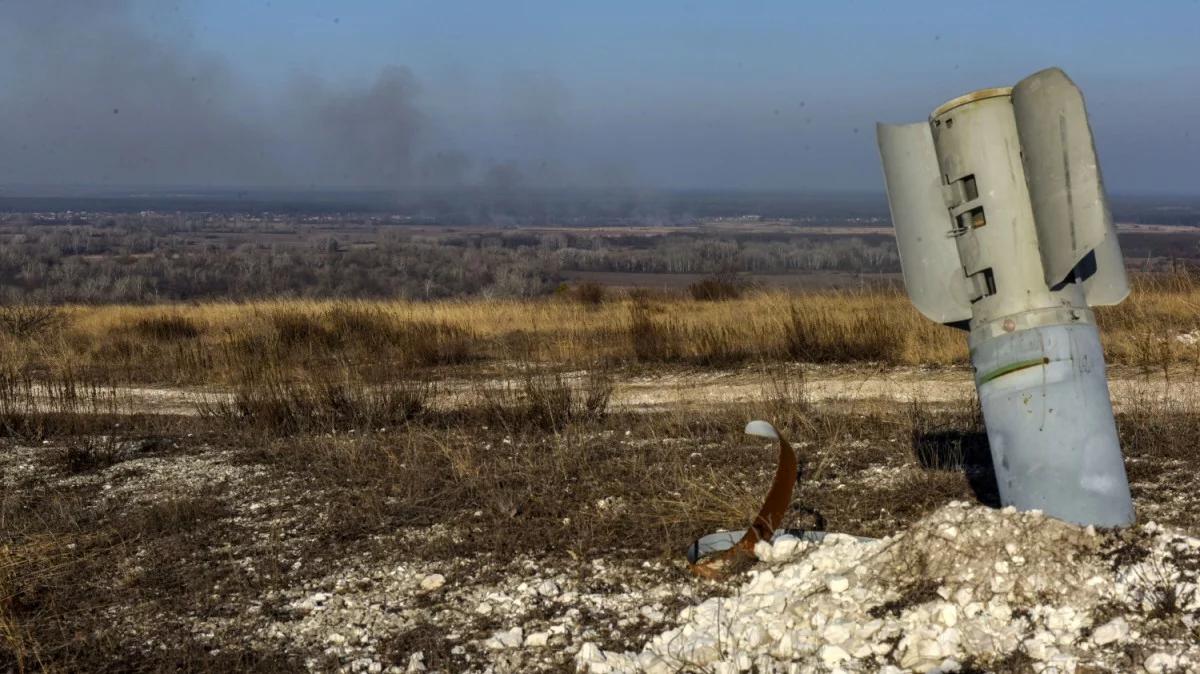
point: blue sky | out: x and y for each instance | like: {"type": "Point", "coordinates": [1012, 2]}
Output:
{"type": "Point", "coordinates": [770, 95]}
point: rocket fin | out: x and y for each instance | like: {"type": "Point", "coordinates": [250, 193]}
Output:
{"type": "Point", "coordinates": [929, 257]}
{"type": "Point", "coordinates": [1070, 209]}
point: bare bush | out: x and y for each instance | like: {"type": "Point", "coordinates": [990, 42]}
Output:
{"type": "Point", "coordinates": [589, 293]}
{"type": "Point", "coordinates": [270, 403]}
{"type": "Point", "coordinates": [28, 320]}
{"type": "Point", "coordinates": [548, 400]}
{"type": "Point", "coordinates": [718, 287]}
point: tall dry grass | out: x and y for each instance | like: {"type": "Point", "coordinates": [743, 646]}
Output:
{"type": "Point", "coordinates": [223, 343]}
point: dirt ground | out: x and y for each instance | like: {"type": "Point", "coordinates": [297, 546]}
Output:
{"type": "Point", "coordinates": [167, 537]}
{"type": "Point", "coordinates": [697, 388]}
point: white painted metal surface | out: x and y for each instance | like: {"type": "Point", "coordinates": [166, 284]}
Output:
{"type": "Point", "coordinates": [1018, 181]}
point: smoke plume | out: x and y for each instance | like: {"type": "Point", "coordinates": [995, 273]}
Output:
{"type": "Point", "coordinates": [95, 97]}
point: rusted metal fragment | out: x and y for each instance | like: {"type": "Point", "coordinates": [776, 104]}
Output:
{"type": "Point", "coordinates": [716, 555]}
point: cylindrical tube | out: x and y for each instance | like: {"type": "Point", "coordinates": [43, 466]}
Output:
{"type": "Point", "coordinates": [1050, 422]}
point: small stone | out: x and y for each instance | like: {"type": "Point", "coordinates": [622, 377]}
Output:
{"type": "Point", "coordinates": [537, 639]}
{"type": "Point", "coordinates": [652, 614]}
{"type": "Point", "coordinates": [1161, 662]}
{"type": "Point", "coordinates": [832, 655]}
{"type": "Point", "coordinates": [505, 639]}
{"type": "Point", "coordinates": [838, 584]}
{"type": "Point", "coordinates": [416, 663]}
{"type": "Point", "coordinates": [1114, 630]}
{"type": "Point", "coordinates": [764, 551]}
{"type": "Point", "coordinates": [548, 588]}
{"type": "Point", "coordinates": [589, 653]}
{"type": "Point", "coordinates": [836, 633]}
{"type": "Point", "coordinates": [433, 581]}
{"type": "Point", "coordinates": [784, 548]}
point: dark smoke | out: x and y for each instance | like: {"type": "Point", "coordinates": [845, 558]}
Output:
{"type": "Point", "coordinates": [363, 137]}
{"type": "Point", "coordinates": [93, 97]}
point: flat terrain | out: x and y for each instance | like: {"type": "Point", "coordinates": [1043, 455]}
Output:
{"type": "Point", "coordinates": [503, 485]}
{"type": "Point", "coordinates": [180, 532]}
{"type": "Point", "coordinates": [696, 390]}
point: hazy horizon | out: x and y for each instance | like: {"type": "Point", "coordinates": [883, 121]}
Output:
{"type": "Point", "coordinates": [773, 97]}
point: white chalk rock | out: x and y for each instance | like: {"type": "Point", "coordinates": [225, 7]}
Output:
{"type": "Point", "coordinates": [537, 639]}
{"type": "Point", "coordinates": [832, 655]}
{"type": "Point", "coordinates": [764, 551]}
{"type": "Point", "coordinates": [947, 614]}
{"type": "Point", "coordinates": [784, 548]}
{"type": "Point", "coordinates": [836, 633]}
{"type": "Point", "coordinates": [1161, 662]}
{"type": "Point", "coordinates": [433, 581]}
{"type": "Point", "coordinates": [505, 639]}
{"type": "Point", "coordinates": [416, 663]}
{"type": "Point", "coordinates": [1115, 630]}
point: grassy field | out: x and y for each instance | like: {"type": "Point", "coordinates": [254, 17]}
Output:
{"type": "Point", "coordinates": [226, 343]}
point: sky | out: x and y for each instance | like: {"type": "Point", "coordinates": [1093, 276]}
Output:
{"type": "Point", "coordinates": [406, 94]}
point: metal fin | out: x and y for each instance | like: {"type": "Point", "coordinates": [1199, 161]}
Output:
{"type": "Point", "coordinates": [1066, 190]}
{"type": "Point", "coordinates": [725, 550]}
{"type": "Point", "coordinates": [929, 257]}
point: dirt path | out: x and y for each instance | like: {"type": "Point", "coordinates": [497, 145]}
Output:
{"type": "Point", "coordinates": [692, 389]}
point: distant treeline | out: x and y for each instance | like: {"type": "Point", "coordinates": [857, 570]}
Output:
{"type": "Point", "coordinates": [150, 257]}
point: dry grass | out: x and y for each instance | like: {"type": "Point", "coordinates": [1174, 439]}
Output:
{"type": "Point", "coordinates": [338, 396]}
{"type": "Point", "coordinates": [217, 343]}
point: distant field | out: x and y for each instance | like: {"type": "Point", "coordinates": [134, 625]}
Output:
{"type": "Point", "coordinates": [807, 281]}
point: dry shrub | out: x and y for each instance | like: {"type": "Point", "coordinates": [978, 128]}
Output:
{"type": "Point", "coordinates": [949, 439]}
{"type": "Point", "coordinates": [1153, 426]}
{"type": "Point", "coordinates": [91, 453]}
{"type": "Point", "coordinates": [19, 652]}
{"type": "Point", "coordinates": [362, 324]}
{"type": "Point", "coordinates": [33, 408]}
{"type": "Point", "coordinates": [270, 403]}
{"type": "Point", "coordinates": [589, 293]}
{"type": "Point", "coordinates": [28, 320]}
{"type": "Point", "coordinates": [716, 288]}
{"type": "Point", "coordinates": [547, 400]}
{"type": "Point", "coordinates": [357, 329]}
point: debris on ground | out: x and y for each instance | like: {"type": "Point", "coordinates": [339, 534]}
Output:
{"type": "Point", "coordinates": [967, 588]}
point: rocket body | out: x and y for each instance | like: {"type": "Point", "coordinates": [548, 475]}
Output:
{"type": "Point", "coordinates": [1004, 231]}
{"type": "Point", "coordinates": [1050, 423]}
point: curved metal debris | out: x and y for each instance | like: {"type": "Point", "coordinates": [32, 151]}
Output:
{"type": "Point", "coordinates": [715, 555]}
